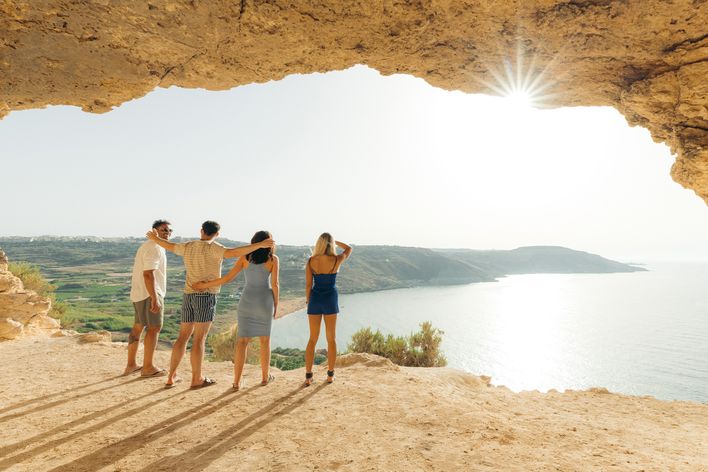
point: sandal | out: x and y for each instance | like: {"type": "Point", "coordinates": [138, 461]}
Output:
{"type": "Point", "coordinates": [308, 379]}
{"type": "Point", "coordinates": [206, 383]}
{"type": "Point", "coordinates": [238, 386]}
{"type": "Point", "coordinates": [330, 376]}
{"type": "Point", "coordinates": [175, 381]}
{"type": "Point", "coordinates": [271, 377]}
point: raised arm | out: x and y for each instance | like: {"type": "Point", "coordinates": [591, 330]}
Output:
{"type": "Point", "coordinates": [347, 251]}
{"type": "Point", "coordinates": [152, 235]}
{"type": "Point", "coordinates": [203, 285]}
{"type": "Point", "coordinates": [308, 281]}
{"type": "Point", "coordinates": [243, 250]}
{"type": "Point", "coordinates": [275, 283]}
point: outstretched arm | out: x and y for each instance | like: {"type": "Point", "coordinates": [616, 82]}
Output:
{"type": "Point", "coordinates": [152, 235]}
{"type": "Point", "coordinates": [275, 283]}
{"type": "Point", "coordinates": [243, 250]}
{"type": "Point", "coordinates": [203, 285]}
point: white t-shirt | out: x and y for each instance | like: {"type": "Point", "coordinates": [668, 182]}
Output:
{"type": "Point", "coordinates": [150, 256]}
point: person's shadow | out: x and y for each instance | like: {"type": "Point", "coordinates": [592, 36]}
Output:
{"type": "Point", "coordinates": [200, 456]}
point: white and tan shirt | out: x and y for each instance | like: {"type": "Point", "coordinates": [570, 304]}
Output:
{"type": "Point", "coordinates": [202, 260]}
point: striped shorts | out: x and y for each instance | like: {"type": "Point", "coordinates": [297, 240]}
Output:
{"type": "Point", "coordinates": [198, 307]}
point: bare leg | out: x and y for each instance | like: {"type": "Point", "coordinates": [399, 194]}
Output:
{"type": "Point", "coordinates": [178, 350]}
{"type": "Point", "coordinates": [330, 330]}
{"type": "Point", "coordinates": [149, 345]}
{"type": "Point", "coordinates": [240, 359]}
{"type": "Point", "coordinates": [315, 321]}
{"type": "Point", "coordinates": [265, 358]}
{"type": "Point", "coordinates": [133, 344]}
{"type": "Point", "coordinates": [196, 357]}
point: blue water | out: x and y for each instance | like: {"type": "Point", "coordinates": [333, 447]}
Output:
{"type": "Point", "coordinates": [643, 333]}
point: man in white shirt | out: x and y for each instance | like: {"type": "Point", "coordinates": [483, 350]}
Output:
{"type": "Point", "coordinates": [147, 292]}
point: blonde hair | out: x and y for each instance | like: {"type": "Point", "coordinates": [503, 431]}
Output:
{"type": "Point", "coordinates": [324, 246]}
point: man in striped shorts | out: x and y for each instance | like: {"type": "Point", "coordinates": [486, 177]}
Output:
{"type": "Point", "coordinates": [202, 259]}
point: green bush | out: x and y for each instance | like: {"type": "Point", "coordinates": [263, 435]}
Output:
{"type": "Point", "coordinates": [223, 344]}
{"type": "Point", "coordinates": [32, 279]}
{"type": "Point", "coordinates": [421, 349]}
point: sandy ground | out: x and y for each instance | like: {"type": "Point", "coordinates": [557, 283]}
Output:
{"type": "Point", "coordinates": [62, 408]}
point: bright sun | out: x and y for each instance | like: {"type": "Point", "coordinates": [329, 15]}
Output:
{"type": "Point", "coordinates": [520, 99]}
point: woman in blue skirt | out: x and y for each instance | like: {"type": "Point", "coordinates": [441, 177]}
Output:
{"type": "Point", "coordinates": [257, 307]}
{"type": "Point", "coordinates": [322, 299]}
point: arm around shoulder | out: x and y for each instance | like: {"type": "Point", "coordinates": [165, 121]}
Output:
{"type": "Point", "coordinates": [152, 236]}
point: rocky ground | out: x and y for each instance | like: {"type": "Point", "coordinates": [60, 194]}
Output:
{"type": "Point", "coordinates": [63, 407]}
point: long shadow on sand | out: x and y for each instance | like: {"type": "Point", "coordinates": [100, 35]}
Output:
{"type": "Point", "coordinates": [7, 462]}
{"type": "Point", "coordinates": [62, 401]}
{"type": "Point", "coordinates": [201, 456]}
{"type": "Point", "coordinates": [113, 452]}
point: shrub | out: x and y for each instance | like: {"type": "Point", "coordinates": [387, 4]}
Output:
{"type": "Point", "coordinates": [421, 349]}
{"type": "Point", "coordinates": [223, 344]}
{"type": "Point", "coordinates": [32, 279]}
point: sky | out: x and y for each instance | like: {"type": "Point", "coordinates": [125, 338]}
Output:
{"type": "Point", "coordinates": [372, 159]}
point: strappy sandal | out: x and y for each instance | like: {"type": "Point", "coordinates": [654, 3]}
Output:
{"type": "Point", "coordinates": [308, 379]}
{"type": "Point", "coordinates": [271, 377]}
{"type": "Point", "coordinates": [207, 382]}
{"type": "Point", "coordinates": [330, 376]}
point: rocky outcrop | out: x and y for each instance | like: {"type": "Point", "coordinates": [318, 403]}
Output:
{"type": "Point", "coordinates": [647, 58]}
{"type": "Point", "coordinates": [22, 312]}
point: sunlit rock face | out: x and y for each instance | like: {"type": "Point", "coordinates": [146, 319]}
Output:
{"type": "Point", "coordinates": [645, 57]}
{"type": "Point", "coordinates": [22, 312]}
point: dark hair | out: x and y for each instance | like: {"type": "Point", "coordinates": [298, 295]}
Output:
{"type": "Point", "coordinates": [211, 227]}
{"type": "Point", "coordinates": [259, 256]}
{"type": "Point", "coordinates": [159, 223]}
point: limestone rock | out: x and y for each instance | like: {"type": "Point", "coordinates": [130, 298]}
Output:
{"type": "Point", "coordinates": [94, 337]}
{"type": "Point", "coordinates": [10, 329]}
{"type": "Point", "coordinates": [22, 307]}
{"type": "Point", "coordinates": [647, 58]}
{"type": "Point", "coordinates": [366, 360]}
{"type": "Point", "coordinates": [64, 333]}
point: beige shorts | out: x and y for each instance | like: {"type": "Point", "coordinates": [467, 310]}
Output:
{"type": "Point", "coordinates": [144, 316]}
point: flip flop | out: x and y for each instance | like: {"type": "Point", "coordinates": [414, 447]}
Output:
{"type": "Point", "coordinates": [271, 377]}
{"type": "Point", "coordinates": [132, 371]}
{"type": "Point", "coordinates": [206, 383]}
{"type": "Point", "coordinates": [175, 381]}
{"type": "Point", "coordinates": [157, 373]}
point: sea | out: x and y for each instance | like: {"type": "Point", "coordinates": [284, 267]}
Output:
{"type": "Point", "coordinates": [639, 333]}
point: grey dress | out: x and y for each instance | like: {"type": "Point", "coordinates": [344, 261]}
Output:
{"type": "Point", "coordinates": [255, 309]}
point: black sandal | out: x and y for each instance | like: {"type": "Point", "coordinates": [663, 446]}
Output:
{"type": "Point", "coordinates": [330, 376]}
{"type": "Point", "coordinates": [308, 379]}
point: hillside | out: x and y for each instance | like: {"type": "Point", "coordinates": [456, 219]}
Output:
{"type": "Point", "coordinates": [92, 275]}
{"type": "Point", "coordinates": [58, 416]}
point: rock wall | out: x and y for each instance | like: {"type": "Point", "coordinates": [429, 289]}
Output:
{"type": "Point", "coordinates": [647, 58]}
{"type": "Point", "coordinates": [22, 312]}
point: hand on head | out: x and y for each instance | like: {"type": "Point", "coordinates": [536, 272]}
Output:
{"type": "Point", "coordinates": [152, 234]}
{"type": "Point", "coordinates": [267, 243]}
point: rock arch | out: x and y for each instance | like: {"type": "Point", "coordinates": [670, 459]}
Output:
{"type": "Point", "coordinates": [647, 58]}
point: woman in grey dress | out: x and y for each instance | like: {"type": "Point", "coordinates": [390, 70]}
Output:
{"type": "Point", "coordinates": [257, 307]}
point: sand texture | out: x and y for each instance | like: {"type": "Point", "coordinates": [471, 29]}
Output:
{"type": "Point", "coordinates": [62, 408]}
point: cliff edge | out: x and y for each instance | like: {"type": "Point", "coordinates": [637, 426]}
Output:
{"type": "Point", "coordinates": [64, 408]}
